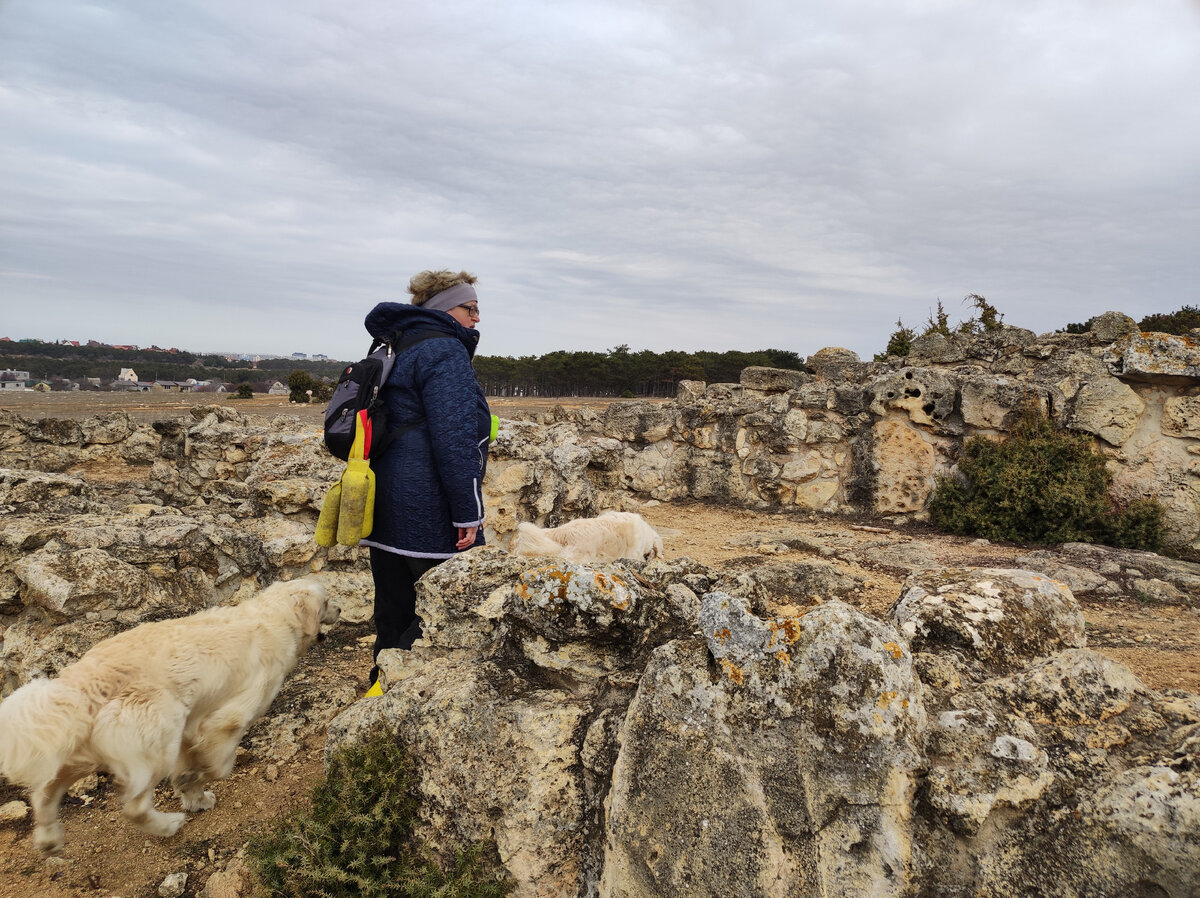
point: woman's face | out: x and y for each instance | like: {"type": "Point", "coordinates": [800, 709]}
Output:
{"type": "Point", "coordinates": [467, 314]}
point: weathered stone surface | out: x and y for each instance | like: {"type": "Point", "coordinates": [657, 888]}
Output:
{"type": "Point", "coordinates": [1181, 416]}
{"type": "Point", "coordinates": [1107, 408]}
{"type": "Point", "coordinates": [836, 363]}
{"type": "Point", "coordinates": [992, 620]}
{"type": "Point", "coordinates": [1112, 326]}
{"type": "Point", "coordinates": [926, 395]}
{"type": "Point", "coordinates": [995, 403]}
{"type": "Point", "coordinates": [772, 380]}
{"type": "Point", "coordinates": [773, 780]}
{"type": "Point", "coordinates": [1157, 357]}
{"type": "Point", "coordinates": [938, 349]}
{"type": "Point", "coordinates": [903, 463]}
{"type": "Point", "coordinates": [498, 761]}
{"type": "Point", "coordinates": [28, 492]}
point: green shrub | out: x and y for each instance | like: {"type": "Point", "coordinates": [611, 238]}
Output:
{"type": "Point", "coordinates": [1043, 485]}
{"type": "Point", "coordinates": [356, 840]}
{"type": "Point", "coordinates": [899, 343]}
{"type": "Point", "coordinates": [299, 383]}
{"type": "Point", "coordinates": [244, 391]}
{"type": "Point", "coordinates": [1187, 318]}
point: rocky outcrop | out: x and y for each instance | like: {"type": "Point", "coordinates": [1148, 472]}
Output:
{"type": "Point", "coordinates": [665, 728]}
{"type": "Point", "coordinates": [849, 436]}
{"type": "Point", "coordinates": [638, 730]}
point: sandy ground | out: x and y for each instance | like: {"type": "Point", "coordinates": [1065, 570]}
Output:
{"type": "Point", "coordinates": [106, 857]}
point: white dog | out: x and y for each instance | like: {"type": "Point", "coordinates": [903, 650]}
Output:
{"type": "Point", "coordinates": [613, 535]}
{"type": "Point", "coordinates": [171, 698]}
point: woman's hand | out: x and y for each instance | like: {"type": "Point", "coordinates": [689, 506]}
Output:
{"type": "Point", "coordinates": [466, 537]}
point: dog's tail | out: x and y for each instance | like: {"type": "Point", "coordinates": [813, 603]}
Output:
{"type": "Point", "coordinates": [532, 540]}
{"type": "Point", "coordinates": [41, 726]}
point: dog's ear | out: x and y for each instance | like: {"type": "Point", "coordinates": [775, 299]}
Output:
{"type": "Point", "coordinates": [311, 605]}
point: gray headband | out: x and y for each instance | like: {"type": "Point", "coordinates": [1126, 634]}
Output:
{"type": "Point", "coordinates": [451, 297]}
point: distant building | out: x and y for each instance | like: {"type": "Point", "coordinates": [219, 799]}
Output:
{"type": "Point", "coordinates": [128, 375]}
{"type": "Point", "coordinates": [278, 389]}
{"type": "Point", "coordinates": [300, 355]}
{"type": "Point", "coordinates": [11, 379]}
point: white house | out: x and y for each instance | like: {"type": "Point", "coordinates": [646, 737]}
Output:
{"type": "Point", "coordinates": [13, 380]}
{"type": "Point", "coordinates": [128, 375]}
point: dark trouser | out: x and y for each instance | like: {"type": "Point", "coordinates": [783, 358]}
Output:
{"type": "Point", "coordinates": [396, 623]}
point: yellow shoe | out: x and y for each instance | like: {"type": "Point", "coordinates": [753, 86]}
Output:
{"type": "Point", "coordinates": [375, 690]}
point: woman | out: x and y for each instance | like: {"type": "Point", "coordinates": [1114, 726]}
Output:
{"type": "Point", "coordinates": [429, 481]}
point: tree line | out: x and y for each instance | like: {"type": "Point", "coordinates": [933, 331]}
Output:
{"type": "Point", "coordinates": [617, 372]}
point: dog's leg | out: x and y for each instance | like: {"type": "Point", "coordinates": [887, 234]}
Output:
{"type": "Point", "coordinates": [209, 755]}
{"type": "Point", "coordinates": [48, 831]}
{"type": "Point", "coordinates": [187, 779]}
{"type": "Point", "coordinates": [138, 805]}
{"type": "Point", "coordinates": [219, 738]}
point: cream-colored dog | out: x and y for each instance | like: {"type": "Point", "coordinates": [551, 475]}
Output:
{"type": "Point", "coordinates": [166, 699]}
{"type": "Point", "coordinates": [613, 535]}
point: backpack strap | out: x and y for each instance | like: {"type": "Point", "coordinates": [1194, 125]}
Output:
{"type": "Point", "coordinates": [383, 435]}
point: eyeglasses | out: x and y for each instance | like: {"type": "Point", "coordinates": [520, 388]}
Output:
{"type": "Point", "coordinates": [473, 311]}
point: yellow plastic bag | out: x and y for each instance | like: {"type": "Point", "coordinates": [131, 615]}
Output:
{"type": "Point", "coordinates": [348, 512]}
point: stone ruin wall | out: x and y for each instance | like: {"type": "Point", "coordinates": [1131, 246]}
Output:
{"type": "Point", "coordinates": [209, 507]}
{"type": "Point", "coordinates": [853, 436]}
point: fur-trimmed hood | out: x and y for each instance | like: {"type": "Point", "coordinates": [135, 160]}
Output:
{"type": "Point", "coordinates": [392, 320]}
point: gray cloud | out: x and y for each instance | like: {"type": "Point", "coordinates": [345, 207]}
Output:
{"type": "Point", "coordinates": [683, 175]}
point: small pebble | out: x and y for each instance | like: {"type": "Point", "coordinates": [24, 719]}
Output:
{"type": "Point", "coordinates": [173, 886]}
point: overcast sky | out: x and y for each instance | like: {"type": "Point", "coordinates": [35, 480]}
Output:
{"type": "Point", "coordinates": [254, 176]}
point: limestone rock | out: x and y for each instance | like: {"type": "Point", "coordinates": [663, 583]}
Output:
{"type": "Point", "coordinates": [994, 620]}
{"type": "Point", "coordinates": [498, 761]}
{"type": "Point", "coordinates": [995, 403]}
{"type": "Point", "coordinates": [903, 464]}
{"type": "Point", "coordinates": [774, 779]}
{"type": "Point", "coordinates": [13, 811]}
{"type": "Point", "coordinates": [926, 395]}
{"type": "Point", "coordinates": [1161, 358]}
{"type": "Point", "coordinates": [1181, 416]}
{"type": "Point", "coordinates": [836, 363]}
{"type": "Point", "coordinates": [1112, 326]}
{"type": "Point", "coordinates": [772, 380]}
{"type": "Point", "coordinates": [935, 348]}
{"type": "Point", "coordinates": [26, 492]}
{"type": "Point", "coordinates": [1108, 408]}
{"type": "Point", "coordinates": [232, 882]}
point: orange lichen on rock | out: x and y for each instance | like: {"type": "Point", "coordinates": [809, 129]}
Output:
{"type": "Point", "coordinates": [896, 651]}
{"type": "Point", "coordinates": [608, 586]}
{"type": "Point", "coordinates": [733, 671]}
{"type": "Point", "coordinates": [785, 630]}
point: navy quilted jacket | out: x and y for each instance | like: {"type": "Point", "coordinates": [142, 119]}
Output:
{"type": "Point", "coordinates": [429, 482]}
